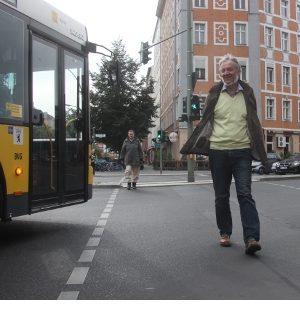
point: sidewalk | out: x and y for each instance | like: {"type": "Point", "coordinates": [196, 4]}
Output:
{"type": "Point", "coordinates": [152, 178]}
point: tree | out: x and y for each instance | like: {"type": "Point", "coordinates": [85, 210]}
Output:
{"type": "Point", "coordinates": [116, 109]}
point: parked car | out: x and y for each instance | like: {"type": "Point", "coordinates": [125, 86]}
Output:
{"type": "Point", "coordinates": [257, 166]}
{"type": "Point", "coordinates": [289, 165]}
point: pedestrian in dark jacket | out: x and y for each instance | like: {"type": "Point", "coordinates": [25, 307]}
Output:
{"type": "Point", "coordinates": [231, 134]}
{"type": "Point", "coordinates": [131, 156]}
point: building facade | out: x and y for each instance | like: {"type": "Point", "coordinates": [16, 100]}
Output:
{"type": "Point", "coordinates": [265, 37]}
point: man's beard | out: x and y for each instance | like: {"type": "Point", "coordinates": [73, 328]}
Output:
{"type": "Point", "coordinates": [231, 83]}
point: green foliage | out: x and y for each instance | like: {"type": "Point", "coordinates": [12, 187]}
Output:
{"type": "Point", "coordinates": [285, 155]}
{"type": "Point", "coordinates": [116, 109]}
{"type": "Point", "coordinates": [169, 156]}
{"type": "Point", "coordinates": [157, 155]}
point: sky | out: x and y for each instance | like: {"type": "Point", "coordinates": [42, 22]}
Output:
{"type": "Point", "coordinates": [107, 20]}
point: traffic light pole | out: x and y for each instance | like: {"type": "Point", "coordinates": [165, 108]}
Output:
{"type": "Point", "coordinates": [189, 71]}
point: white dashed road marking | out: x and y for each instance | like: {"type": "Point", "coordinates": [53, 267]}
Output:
{"type": "Point", "coordinates": [79, 273]}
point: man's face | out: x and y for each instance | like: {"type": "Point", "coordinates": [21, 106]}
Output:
{"type": "Point", "coordinates": [131, 135]}
{"type": "Point", "coordinates": [229, 73]}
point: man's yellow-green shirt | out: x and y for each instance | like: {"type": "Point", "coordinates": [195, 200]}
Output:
{"type": "Point", "coordinates": [230, 123]}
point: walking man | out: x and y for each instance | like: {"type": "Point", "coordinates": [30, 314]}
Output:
{"type": "Point", "coordinates": [132, 156]}
{"type": "Point", "coordinates": [231, 134]}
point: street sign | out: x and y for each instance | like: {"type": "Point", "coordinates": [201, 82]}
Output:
{"type": "Point", "coordinates": [100, 135]}
{"type": "Point", "coordinates": [173, 137]}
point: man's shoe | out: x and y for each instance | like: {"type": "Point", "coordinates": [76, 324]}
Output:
{"type": "Point", "coordinates": [252, 246]}
{"type": "Point", "coordinates": [128, 185]}
{"type": "Point", "coordinates": [225, 240]}
{"type": "Point", "coordinates": [133, 185]}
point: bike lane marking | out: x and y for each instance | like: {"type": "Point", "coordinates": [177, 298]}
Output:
{"type": "Point", "coordinates": [79, 273]}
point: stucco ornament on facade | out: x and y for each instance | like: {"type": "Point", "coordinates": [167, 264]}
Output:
{"type": "Point", "coordinates": [220, 4]}
{"type": "Point", "coordinates": [221, 33]}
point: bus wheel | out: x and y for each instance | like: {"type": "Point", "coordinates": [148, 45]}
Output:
{"type": "Point", "coordinates": [3, 219]}
{"type": "Point", "coordinates": [1, 203]}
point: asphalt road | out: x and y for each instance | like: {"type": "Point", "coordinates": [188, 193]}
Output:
{"type": "Point", "coordinates": [154, 243]}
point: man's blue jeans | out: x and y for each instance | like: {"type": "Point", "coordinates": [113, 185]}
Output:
{"type": "Point", "coordinates": [237, 163]}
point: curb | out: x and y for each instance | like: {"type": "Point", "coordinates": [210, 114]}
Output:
{"type": "Point", "coordinates": [184, 183]}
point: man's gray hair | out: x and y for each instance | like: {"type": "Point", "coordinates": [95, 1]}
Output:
{"type": "Point", "coordinates": [230, 57]}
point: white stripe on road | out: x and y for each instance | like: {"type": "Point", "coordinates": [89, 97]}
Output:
{"type": "Point", "coordinates": [93, 241]}
{"type": "Point", "coordinates": [102, 223]}
{"type": "Point", "coordinates": [98, 232]}
{"type": "Point", "coordinates": [87, 256]}
{"type": "Point", "coordinates": [78, 275]}
{"type": "Point", "coordinates": [68, 295]}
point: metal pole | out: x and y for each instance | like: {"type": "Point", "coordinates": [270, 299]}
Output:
{"type": "Point", "coordinates": [189, 70]}
{"type": "Point", "coordinates": [160, 148]}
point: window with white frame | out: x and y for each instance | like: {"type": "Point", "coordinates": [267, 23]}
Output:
{"type": "Point", "coordinates": [284, 9]}
{"type": "Point", "coordinates": [200, 67]}
{"type": "Point", "coordinates": [244, 73]}
{"type": "Point", "coordinates": [298, 111]}
{"type": "Point", "coordinates": [286, 110]}
{"type": "Point", "coordinates": [270, 143]}
{"type": "Point", "coordinates": [268, 6]}
{"type": "Point", "coordinates": [240, 4]}
{"type": "Point", "coordinates": [271, 109]}
{"type": "Point", "coordinates": [298, 12]}
{"type": "Point", "coordinates": [269, 37]}
{"type": "Point", "coordinates": [240, 34]}
{"type": "Point", "coordinates": [270, 74]}
{"type": "Point", "coordinates": [286, 75]}
{"type": "Point", "coordinates": [200, 33]}
{"type": "Point", "coordinates": [284, 41]}
{"type": "Point", "coordinates": [200, 3]}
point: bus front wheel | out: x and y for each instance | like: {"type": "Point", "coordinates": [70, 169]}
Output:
{"type": "Point", "coordinates": [1, 203]}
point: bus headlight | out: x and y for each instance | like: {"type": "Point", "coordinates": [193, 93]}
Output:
{"type": "Point", "coordinates": [19, 171]}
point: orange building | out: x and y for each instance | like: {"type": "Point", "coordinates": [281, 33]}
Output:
{"type": "Point", "coordinates": [263, 34]}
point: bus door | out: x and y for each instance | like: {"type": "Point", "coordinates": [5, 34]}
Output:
{"type": "Point", "coordinates": [58, 155]}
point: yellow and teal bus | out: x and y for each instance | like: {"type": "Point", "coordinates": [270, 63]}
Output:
{"type": "Point", "coordinates": [44, 109]}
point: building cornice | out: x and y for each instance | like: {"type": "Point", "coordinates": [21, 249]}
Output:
{"type": "Point", "coordinates": [160, 8]}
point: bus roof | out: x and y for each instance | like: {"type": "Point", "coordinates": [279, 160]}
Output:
{"type": "Point", "coordinates": [46, 14]}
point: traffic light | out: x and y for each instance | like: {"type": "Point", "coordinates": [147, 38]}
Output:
{"type": "Point", "coordinates": [114, 73]}
{"type": "Point", "coordinates": [184, 108]}
{"type": "Point", "coordinates": [144, 53]}
{"type": "Point", "coordinates": [159, 135]}
{"type": "Point", "coordinates": [195, 103]}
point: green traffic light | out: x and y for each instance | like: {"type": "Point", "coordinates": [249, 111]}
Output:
{"type": "Point", "coordinates": [194, 106]}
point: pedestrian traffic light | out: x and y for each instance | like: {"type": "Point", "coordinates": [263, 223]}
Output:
{"type": "Point", "coordinates": [160, 135]}
{"type": "Point", "coordinates": [195, 103]}
{"type": "Point", "coordinates": [144, 53]}
{"type": "Point", "coordinates": [184, 108]}
{"type": "Point", "coordinates": [114, 73]}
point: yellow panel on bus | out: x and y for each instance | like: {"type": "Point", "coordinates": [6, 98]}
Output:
{"type": "Point", "coordinates": [14, 154]}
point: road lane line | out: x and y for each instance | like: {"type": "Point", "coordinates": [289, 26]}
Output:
{"type": "Point", "coordinates": [102, 223]}
{"type": "Point", "coordinates": [93, 241]}
{"type": "Point", "coordinates": [98, 231]}
{"type": "Point", "coordinates": [78, 275]}
{"type": "Point", "coordinates": [87, 256]}
{"type": "Point", "coordinates": [68, 295]}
